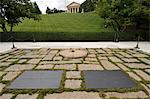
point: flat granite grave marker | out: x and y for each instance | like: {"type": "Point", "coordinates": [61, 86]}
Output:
{"type": "Point", "coordinates": [37, 80]}
{"type": "Point", "coordinates": [107, 79]}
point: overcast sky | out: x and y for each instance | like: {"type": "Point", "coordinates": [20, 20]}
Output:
{"type": "Point", "coordinates": [59, 4]}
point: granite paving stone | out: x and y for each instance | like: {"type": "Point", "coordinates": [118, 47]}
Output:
{"type": "Point", "coordinates": [73, 74]}
{"type": "Point", "coordinates": [118, 55]}
{"type": "Point", "coordinates": [115, 59]}
{"type": "Point", "coordinates": [18, 67]}
{"type": "Point", "coordinates": [90, 67]}
{"type": "Point", "coordinates": [139, 94]}
{"type": "Point", "coordinates": [46, 66]}
{"type": "Point", "coordinates": [4, 56]}
{"type": "Point", "coordinates": [144, 75]}
{"type": "Point", "coordinates": [107, 49]}
{"type": "Point", "coordinates": [130, 60]}
{"type": "Point", "coordinates": [31, 56]}
{"type": "Point", "coordinates": [34, 61]}
{"type": "Point", "coordinates": [26, 96]}
{"type": "Point", "coordinates": [10, 76]}
{"type": "Point", "coordinates": [73, 95]}
{"type": "Point", "coordinates": [125, 54]}
{"type": "Point", "coordinates": [53, 51]}
{"type": "Point", "coordinates": [66, 66]}
{"type": "Point", "coordinates": [5, 64]}
{"type": "Point", "coordinates": [2, 86]}
{"type": "Point", "coordinates": [132, 51]}
{"type": "Point", "coordinates": [58, 58]}
{"type": "Point", "coordinates": [91, 59]}
{"type": "Point", "coordinates": [102, 58]}
{"type": "Point", "coordinates": [49, 57]}
{"type": "Point", "coordinates": [22, 61]}
{"type": "Point", "coordinates": [123, 67]}
{"type": "Point", "coordinates": [148, 85]}
{"type": "Point", "coordinates": [147, 61]}
{"type": "Point", "coordinates": [133, 75]}
{"type": "Point", "coordinates": [105, 55]}
{"type": "Point", "coordinates": [77, 59]}
{"type": "Point", "coordinates": [137, 65]}
{"type": "Point", "coordinates": [148, 70]}
{"type": "Point", "coordinates": [91, 55]}
{"type": "Point", "coordinates": [92, 51]}
{"type": "Point", "coordinates": [146, 88]}
{"type": "Point", "coordinates": [108, 65]}
{"type": "Point", "coordinates": [100, 51]}
{"type": "Point", "coordinates": [6, 96]}
{"type": "Point", "coordinates": [2, 73]}
{"type": "Point", "coordinates": [73, 84]}
{"type": "Point", "coordinates": [140, 55]}
{"type": "Point", "coordinates": [61, 62]}
{"type": "Point", "coordinates": [12, 60]}
{"type": "Point", "coordinates": [90, 62]}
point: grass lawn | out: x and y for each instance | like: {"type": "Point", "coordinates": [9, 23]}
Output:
{"type": "Point", "coordinates": [66, 26]}
{"type": "Point", "coordinates": [64, 22]}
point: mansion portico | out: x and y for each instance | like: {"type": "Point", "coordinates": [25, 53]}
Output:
{"type": "Point", "coordinates": [73, 7]}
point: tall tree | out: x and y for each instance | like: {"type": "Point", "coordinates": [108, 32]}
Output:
{"type": "Point", "coordinates": [48, 10]}
{"type": "Point", "coordinates": [13, 12]}
{"type": "Point", "coordinates": [120, 14]}
{"type": "Point", "coordinates": [36, 8]}
{"type": "Point", "coordinates": [88, 5]}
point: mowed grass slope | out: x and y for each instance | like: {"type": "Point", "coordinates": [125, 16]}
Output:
{"type": "Point", "coordinates": [64, 22]}
{"type": "Point", "coordinates": [65, 26]}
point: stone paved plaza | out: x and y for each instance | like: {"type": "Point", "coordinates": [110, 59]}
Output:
{"type": "Point", "coordinates": [135, 64]}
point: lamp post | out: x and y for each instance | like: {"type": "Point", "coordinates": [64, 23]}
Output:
{"type": "Point", "coordinates": [13, 44]}
{"type": "Point", "coordinates": [138, 39]}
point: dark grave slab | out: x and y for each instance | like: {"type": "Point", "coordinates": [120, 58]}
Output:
{"type": "Point", "coordinates": [107, 79]}
{"type": "Point", "coordinates": [37, 80]}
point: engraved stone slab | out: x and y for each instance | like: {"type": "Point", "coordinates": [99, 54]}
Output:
{"type": "Point", "coordinates": [107, 79]}
{"type": "Point", "coordinates": [37, 80]}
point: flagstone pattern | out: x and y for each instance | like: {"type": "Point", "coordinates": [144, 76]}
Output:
{"type": "Point", "coordinates": [135, 63]}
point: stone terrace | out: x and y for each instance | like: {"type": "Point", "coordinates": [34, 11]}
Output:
{"type": "Point", "coordinates": [134, 63]}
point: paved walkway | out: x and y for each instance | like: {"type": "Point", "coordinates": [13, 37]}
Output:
{"type": "Point", "coordinates": [134, 63]}
{"type": "Point", "coordinates": [144, 46]}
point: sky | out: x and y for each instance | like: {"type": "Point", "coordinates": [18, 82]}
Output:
{"type": "Point", "coordinates": [59, 4]}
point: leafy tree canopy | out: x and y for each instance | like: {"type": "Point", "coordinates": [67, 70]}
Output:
{"type": "Point", "coordinates": [13, 12]}
{"type": "Point", "coordinates": [36, 8]}
{"type": "Point", "coordinates": [88, 5]}
{"type": "Point", "coordinates": [54, 10]}
{"type": "Point", "coordinates": [123, 13]}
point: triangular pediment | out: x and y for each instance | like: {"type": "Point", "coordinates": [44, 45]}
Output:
{"type": "Point", "coordinates": [73, 4]}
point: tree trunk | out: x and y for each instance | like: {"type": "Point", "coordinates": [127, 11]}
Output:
{"type": "Point", "coordinates": [11, 32]}
{"type": "Point", "coordinates": [11, 28]}
{"type": "Point", "coordinates": [116, 36]}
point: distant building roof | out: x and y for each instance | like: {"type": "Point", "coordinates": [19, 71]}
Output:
{"type": "Point", "coordinates": [73, 4]}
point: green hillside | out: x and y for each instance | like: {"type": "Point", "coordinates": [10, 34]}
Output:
{"type": "Point", "coordinates": [64, 22]}
{"type": "Point", "coordinates": [65, 26]}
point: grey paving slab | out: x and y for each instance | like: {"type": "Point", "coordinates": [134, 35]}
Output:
{"type": "Point", "coordinates": [37, 80]}
{"type": "Point", "coordinates": [73, 95]}
{"type": "Point", "coordinates": [107, 79]}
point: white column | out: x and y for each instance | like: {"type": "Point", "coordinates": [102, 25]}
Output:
{"type": "Point", "coordinates": [78, 9]}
